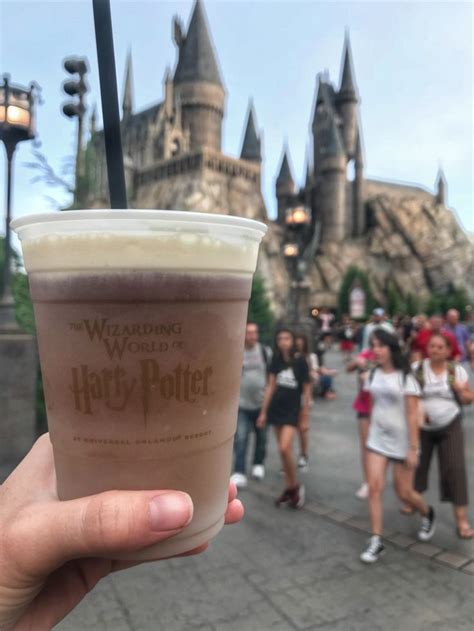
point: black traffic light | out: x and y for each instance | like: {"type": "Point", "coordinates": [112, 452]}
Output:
{"type": "Point", "coordinates": [75, 87]}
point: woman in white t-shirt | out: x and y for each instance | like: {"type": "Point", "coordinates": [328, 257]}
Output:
{"type": "Point", "coordinates": [444, 385]}
{"type": "Point", "coordinates": [393, 437]}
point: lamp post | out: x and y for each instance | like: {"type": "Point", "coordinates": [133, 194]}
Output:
{"type": "Point", "coordinates": [297, 222]}
{"type": "Point", "coordinates": [17, 123]}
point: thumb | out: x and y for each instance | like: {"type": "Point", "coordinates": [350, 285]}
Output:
{"type": "Point", "coordinates": [99, 525]}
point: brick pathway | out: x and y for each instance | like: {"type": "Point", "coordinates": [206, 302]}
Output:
{"type": "Point", "coordinates": [281, 570]}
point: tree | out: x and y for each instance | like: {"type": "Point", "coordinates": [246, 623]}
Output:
{"type": "Point", "coordinates": [25, 317]}
{"type": "Point", "coordinates": [260, 310]}
{"type": "Point", "coordinates": [355, 275]}
{"type": "Point", "coordinates": [412, 304]}
{"type": "Point", "coordinates": [453, 298]}
{"type": "Point", "coordinates": [395, 303]}
{"type": "Point", "coordinates": [15, 260]}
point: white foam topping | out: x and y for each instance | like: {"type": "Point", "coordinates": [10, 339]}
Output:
{"type": "Point", "coordinates": [169, 240]}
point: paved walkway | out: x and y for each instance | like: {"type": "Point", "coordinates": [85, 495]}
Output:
{"type": "Point", "coordinates": [282, 570]}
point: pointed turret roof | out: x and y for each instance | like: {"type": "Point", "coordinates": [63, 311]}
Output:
{"type": "Point", "coordinates": [440, 178]}
{"type": "Point", "coordinates": [251, 145]}
{"type": "Point", "coordinates": [348, 84]}
{"type": "Point", "coordinates": [331, 141]}
{"type": "Point", "coordinates": [325, 96]}
{"type": "Point", "coordinates": [197, 60]}
{"type": "Point", "coordinates": [285, 176]}
{"type": "Point", "coordinates": [127, 101]}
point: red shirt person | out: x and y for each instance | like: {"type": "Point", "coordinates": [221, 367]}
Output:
{"type": "Point", "coordinates": [435, 325]}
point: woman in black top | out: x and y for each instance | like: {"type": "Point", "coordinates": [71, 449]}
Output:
{"type": "Point", "coordinates": [288, 382]}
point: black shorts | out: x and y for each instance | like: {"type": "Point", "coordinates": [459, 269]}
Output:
{"type": "Point", "coordinates": [389, 458]}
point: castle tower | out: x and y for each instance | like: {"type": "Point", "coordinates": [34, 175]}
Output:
{"type": "Point", "coordinates": [331, 197]}
{"type": "Point", "coordinates": [441, 186]}
{"type": "Point", "coordinates": [359, 221]}
{"type": "Point", "coordinates": [347, 100]}
{"type": "Point", "coordinates": [324, 107]}
{"type": "Point", "coordinates": [285, 187]}
{"type": "Point", "coordinates": [197, 82]}
{"type": "Point", "coordinates": [308, 181]}
{"type": "Point", "coordinates": [251, 145]}
{"type": "Point", "coordinates": [127, 101]}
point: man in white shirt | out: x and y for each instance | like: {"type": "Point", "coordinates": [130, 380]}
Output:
{"type": "Point", "coordinates": [378, 321]}
{"type": "Point", "coordinates": [254, 377]}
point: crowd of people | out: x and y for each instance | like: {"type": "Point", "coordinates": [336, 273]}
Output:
{"type": "Point", "coordinates": [412, 385]}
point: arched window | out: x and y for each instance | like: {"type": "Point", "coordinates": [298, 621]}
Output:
{"type": "Point", "coordinates": [350, 173]}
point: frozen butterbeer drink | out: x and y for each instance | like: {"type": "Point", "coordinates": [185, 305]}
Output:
{"type": "Point", "coordinates": [140, 320]}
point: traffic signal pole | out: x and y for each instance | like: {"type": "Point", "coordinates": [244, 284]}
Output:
{"type": "Point", "coordinates": [79, 154]}
{"type": "Point", "coordinates": [77, 87]}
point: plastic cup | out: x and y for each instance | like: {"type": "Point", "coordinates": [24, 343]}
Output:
{"type": "Point", "coordinates": [140, 320]}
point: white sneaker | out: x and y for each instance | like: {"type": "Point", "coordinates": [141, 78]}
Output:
{"type": "Point", "coordinates": [303, 463]}
{"type": "Point", "coordinates": [258, 472]}
{"type": "Point", "coordinates": [374, 550]}
{"type": "Point", "coordinates": [362, 492]}
{"type": "Point", "coordinates": [239, 479]}
{"type": "Point", "coordinates": [427, 526]}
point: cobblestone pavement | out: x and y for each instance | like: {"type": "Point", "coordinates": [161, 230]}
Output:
{"type": "Point", "coordinates": [282, 570]}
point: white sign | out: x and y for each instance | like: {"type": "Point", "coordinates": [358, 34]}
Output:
{"type": "Point", "coordinates": [357, 303]}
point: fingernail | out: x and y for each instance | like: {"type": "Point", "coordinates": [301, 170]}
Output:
{"type": "Point", "coordinates": [170, 511]}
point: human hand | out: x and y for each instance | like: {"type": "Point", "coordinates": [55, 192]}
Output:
{"type": "Point", "coordinates": [411, 461]}
{"type": "Point", "coordinates": [261, 420]}
{"type": "Point", "coordinates": [51, 551]}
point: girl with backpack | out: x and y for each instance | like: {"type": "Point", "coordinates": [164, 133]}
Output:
{"type": "Point", "coordinates": [444, 387]}
{"type": "Point", "coordinates": [286, 406]}
{"type": "Point", "coordinates": [393, 438]}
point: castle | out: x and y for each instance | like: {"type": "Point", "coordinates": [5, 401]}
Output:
{"type": "Point", "coordinates": [173, 160]}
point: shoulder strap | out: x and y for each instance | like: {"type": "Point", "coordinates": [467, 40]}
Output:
{"type": "Point", "coordinates": [420, 373]}
{"type": "Point", "coordinates": [372, 373]}
{"type": "Point", "coordinates": [451, 380]}
{"type": "Point", "coordinates": [451, 373]}
{"type": "Point", "coordinates": [265, 357]}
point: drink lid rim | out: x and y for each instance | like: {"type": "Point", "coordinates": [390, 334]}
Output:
{"type": "Point", "coordinates": [183, 217]}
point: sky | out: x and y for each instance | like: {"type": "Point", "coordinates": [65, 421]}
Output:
{"type": "Point", "coordinates": [413, 65]}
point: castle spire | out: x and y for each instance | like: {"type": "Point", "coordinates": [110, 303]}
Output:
{"type": "Point", "coordinates": [441, 186]}
{"type": "Point", "coordinates": [197, 60]}
{"type": "Point", "coordinates": [285, 178]}
{"type": "Point", "coordinates": [127, 101]}
{"type": "Point", "coordinates": [347, 100]}
{"type": "Point", "coordinates": [348, 87]}
{"type": "Point", "coordinates": [251, 145]}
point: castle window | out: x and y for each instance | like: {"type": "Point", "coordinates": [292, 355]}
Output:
{"type": "Point", "coordinates": [175, 147]}
{"type": "Point", "coordinates": [350, 171]}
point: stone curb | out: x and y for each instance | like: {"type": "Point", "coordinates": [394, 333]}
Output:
{"type": "Point", "coordinates": [441, 556]}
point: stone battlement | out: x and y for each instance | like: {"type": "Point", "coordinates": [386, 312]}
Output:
{"type": "Point", "coordinates": [200, 161]}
